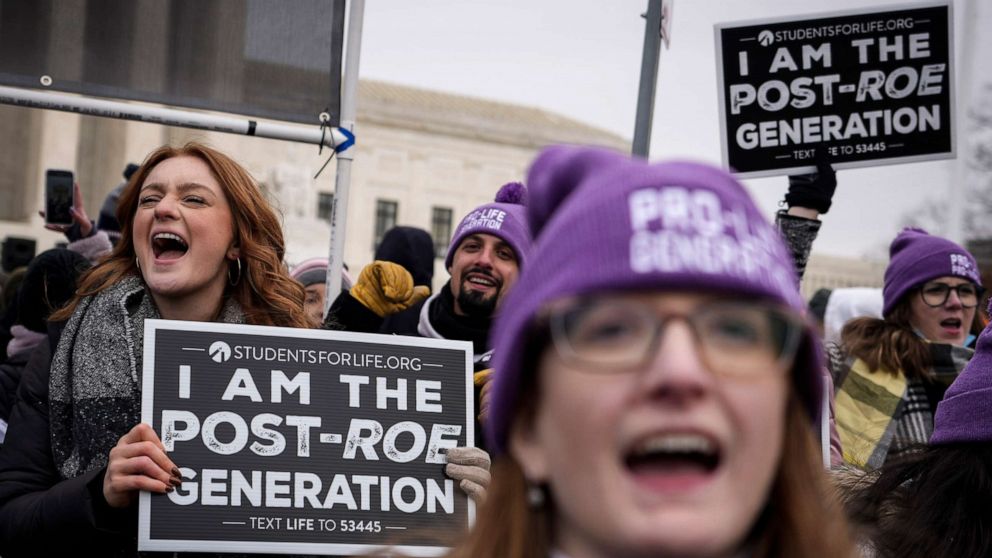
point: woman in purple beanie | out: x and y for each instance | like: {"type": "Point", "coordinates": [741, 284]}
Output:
{"type": "Point", "coordinates": [655, 384]}
{"type": "Point", "coordinates": [936, 501]}
{"type": "Point", "coordinates": [890, 373]}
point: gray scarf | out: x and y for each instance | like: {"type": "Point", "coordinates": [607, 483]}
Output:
{"type": "Point", "coordinates": [95, 386]}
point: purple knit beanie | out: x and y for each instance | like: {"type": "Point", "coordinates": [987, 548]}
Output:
{"type": "Point", "coordinates": [965, 413]}
{"type": "Point", "coordinates": [506, 218]}
{"type": "Point", "coordinates": [605, 222]}
{"type": "Point", "coordinates": [916, 257]}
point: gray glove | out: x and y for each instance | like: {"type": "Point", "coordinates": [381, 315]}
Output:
{"type": "Point", "coordinates": [470, 467]}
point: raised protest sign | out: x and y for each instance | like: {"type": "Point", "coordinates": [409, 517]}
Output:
{"type": "Point", "coordinates": [868, 87]}
{"type": "Point", "coordinates": [305, 441]}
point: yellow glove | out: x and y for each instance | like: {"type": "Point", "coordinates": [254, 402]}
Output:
{"type": "Point", "coordinates": [481, 378]}
{"type": "Point", "coordinates": [387, 288]}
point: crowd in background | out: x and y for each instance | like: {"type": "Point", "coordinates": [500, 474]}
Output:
{"type": "Point", "coordinates": [648, 379]}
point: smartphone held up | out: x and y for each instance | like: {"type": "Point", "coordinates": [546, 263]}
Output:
{"type": "Point", "coordinates": [58, 197]}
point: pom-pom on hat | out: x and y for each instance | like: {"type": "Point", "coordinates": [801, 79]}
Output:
{"type": "Point", "coordinates": [605, 222]}
{"type": "Point", "coordinates": [965, 413]}
{"type": "Point", "coordinates": [916, 257]}
{"type": "Point", "coordinates": [505, 217]}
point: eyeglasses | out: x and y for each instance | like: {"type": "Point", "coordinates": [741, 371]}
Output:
{"type": "Point", "coordinates": [935, 294]}
{"type": "Point", "coordinates": [733, 338]}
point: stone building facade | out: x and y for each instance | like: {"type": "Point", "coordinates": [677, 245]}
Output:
{"type": "Point", "coordinates": [423, 158]}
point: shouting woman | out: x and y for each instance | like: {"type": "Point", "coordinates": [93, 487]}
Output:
{"type": "Point", "coordinates": [655, 384]}
{"type": "Point", "coordinates": [198, 242]}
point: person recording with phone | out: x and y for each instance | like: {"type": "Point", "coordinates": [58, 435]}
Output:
{"type": "Point", "coordinates": [60, 196]}
{"type": "Point", "coordinates": [93, 240]}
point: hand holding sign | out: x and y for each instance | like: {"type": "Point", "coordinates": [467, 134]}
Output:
{"type": "Point", "coordinates": [387, 288]}
{"type": "Point", "coordinates": [299, 440]}
{"type": "Point", "coordinates": [138, 462]}
{"type": "Point", "coordinates": [470, 467]}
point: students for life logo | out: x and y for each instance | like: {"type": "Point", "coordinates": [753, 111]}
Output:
{"type": "Point", "coordinates": [766, 38]}
{"type": "Point", "coordinates": [219, 351]}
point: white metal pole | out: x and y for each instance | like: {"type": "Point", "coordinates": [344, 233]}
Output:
{"type": "Point", "coordinates": [169, 117]}
{"type": "Point", "coordinates": [825, 423]}
{"type": "Point", "coordinates": [349, 96]}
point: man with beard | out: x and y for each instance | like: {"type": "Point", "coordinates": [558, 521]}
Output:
{"type": "Point", "coordinates": [484, 258]}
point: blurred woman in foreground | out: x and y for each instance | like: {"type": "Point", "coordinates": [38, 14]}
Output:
{"type": "Point", "coordinates": [655, 383]}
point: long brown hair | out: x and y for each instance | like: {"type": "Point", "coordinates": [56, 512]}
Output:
{"type": "Point", "coordinates": [934, 502]}
{"type": "Point", "coordinates": [802, 517]}
{"type": "Point", "coordinates": [889, 344]}
{"type": "Point", "coordinates": [266, 293]}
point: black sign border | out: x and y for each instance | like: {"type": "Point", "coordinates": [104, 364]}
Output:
{"type": "Point", "coordinates": [721, 86]}
{"type": "Point", "coordinates": [146, 543]}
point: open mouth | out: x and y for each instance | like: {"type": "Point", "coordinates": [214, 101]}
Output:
{"type": "Point", "coordinates": [951, 323]}
{"type": "Point", "coordinates": [169, 246]}
{"type": "Point", "coordinates": [673, 458]}
{"type": "Point", "coordinates": [481, 281]}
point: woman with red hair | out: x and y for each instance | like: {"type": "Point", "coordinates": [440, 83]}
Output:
{"type": "Point", "coordinates": [199, 242]}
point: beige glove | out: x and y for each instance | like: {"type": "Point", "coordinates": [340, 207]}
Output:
{"type": "Point", "coordinates": [470, 467]}
{"type": "Point", "coordinates": [387, 288]}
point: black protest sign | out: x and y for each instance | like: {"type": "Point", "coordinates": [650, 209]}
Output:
{"type": "Point", "coordinates": [866, 88]}
{"type": "Point", "coordinates": [305, 441]}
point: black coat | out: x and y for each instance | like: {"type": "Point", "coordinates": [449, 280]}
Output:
{"type": "Point", "coordinates": [41, 514]}
{"type": "Point", "coordinates": [10, 376]}
{"type": "Point", "coordinates": [34, 501]}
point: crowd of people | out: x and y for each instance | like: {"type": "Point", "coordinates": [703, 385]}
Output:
{"type": "Point", "coordinates": [649, 381]}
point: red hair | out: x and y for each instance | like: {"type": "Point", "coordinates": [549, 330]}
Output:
{"type": "Point", "coordinates": [265, 291]}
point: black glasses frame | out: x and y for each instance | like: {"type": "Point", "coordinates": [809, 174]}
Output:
{"type": "Point", "coordinates": [979, 291]}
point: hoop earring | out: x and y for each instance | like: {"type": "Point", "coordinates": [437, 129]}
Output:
{"type": "Point", "coordinates": [231, 280]}
{"type": "Point", "coordinates": [137, 264]}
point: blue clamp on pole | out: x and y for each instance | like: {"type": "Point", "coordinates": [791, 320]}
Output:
{"type": "Point", "coordinates": [348, 142]}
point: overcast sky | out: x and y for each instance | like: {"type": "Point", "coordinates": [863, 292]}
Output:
{"type": "Point", "coordinates": [581, 58]}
